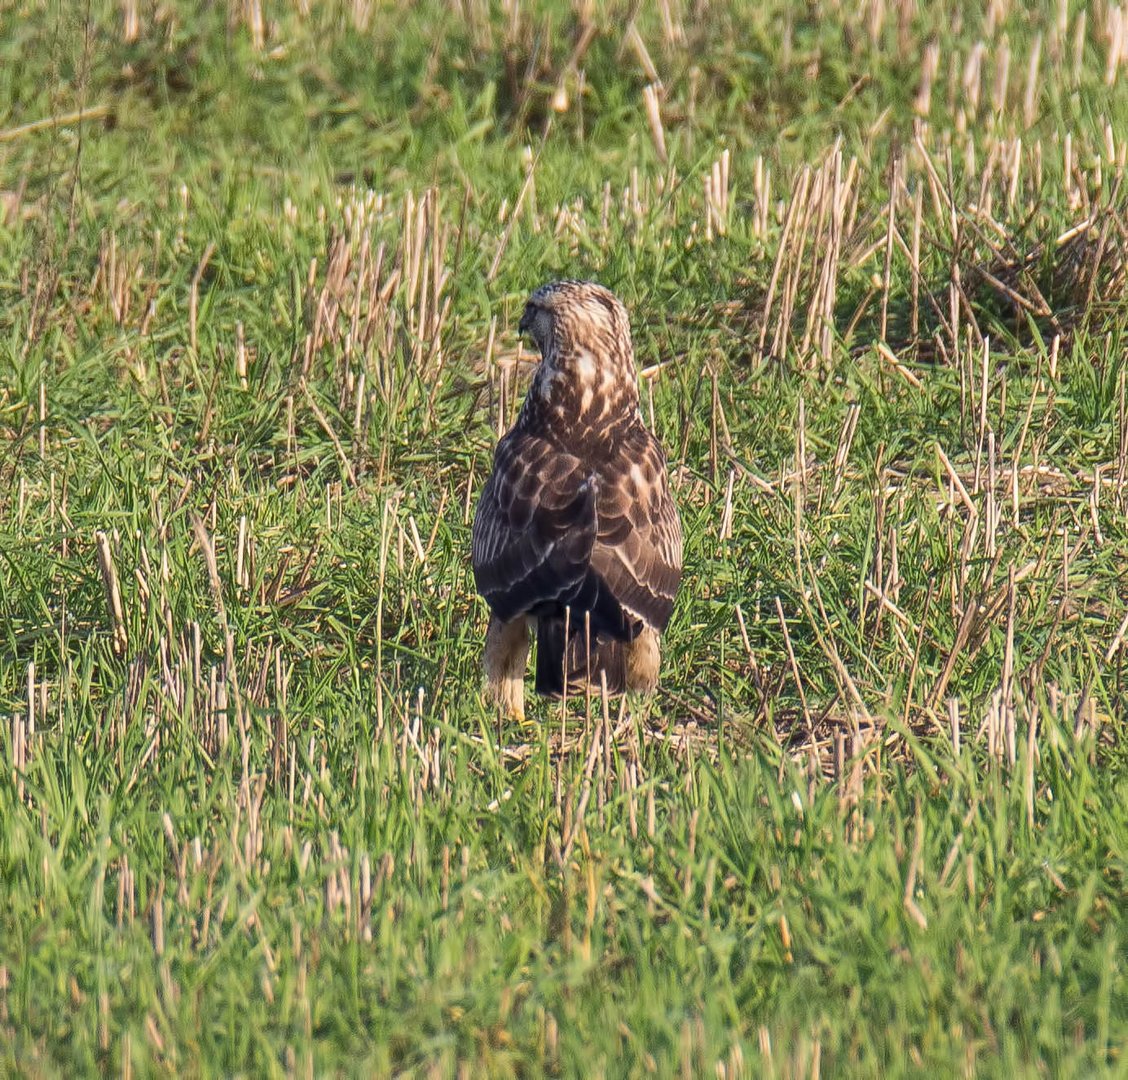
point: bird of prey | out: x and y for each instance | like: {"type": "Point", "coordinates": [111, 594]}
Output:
{"type": "Point", "coordinates": [576, 532]}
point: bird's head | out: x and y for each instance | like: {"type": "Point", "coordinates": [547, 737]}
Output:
{"type": "Point", "coordinates": [587, 373]}
{"type": "Point", "coordinates": [565, 317]}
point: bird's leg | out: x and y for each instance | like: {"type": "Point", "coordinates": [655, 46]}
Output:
{"type": "Point", "coordinates": [506, 653]}
{"type": "Point", "coordinates": [643, 658]}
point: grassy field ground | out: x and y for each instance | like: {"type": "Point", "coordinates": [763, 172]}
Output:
{"type": "Point", "coordinates": [261, 266]}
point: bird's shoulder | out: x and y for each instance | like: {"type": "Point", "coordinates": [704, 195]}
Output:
{"type": "Point", "coordinates": [535, 479]}
{"type": "Point", "coordinates": [634, 461]}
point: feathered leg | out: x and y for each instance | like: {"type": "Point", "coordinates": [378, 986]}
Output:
{"type": "Point", "coordinates": [504, 658]}
{"type": "Point", "coordinates": [643, 658]}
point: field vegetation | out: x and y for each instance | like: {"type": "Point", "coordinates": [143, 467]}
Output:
{"type": "Point", "coordinates": [261, 266]}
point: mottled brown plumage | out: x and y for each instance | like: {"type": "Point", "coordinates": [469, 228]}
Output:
{"type": "Point", "coordinates": [576, 529]}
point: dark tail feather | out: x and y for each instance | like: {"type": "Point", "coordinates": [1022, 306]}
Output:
{"type": "Point", "coordinates": [550, 657]}
{"type": "Point", "coordinates": [607, 657]}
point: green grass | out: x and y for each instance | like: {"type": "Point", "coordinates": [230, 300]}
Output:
{"type": "Point", "coordinates": [261, 822]}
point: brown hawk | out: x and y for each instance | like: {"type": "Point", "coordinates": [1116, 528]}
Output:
{"type": "Point", "coordinates": [576, 531]}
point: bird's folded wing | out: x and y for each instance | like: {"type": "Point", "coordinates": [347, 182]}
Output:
{"type": "Point", "coordinates": [638, 547]}
{"type": "Point", "coordinates": [534, 527]}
